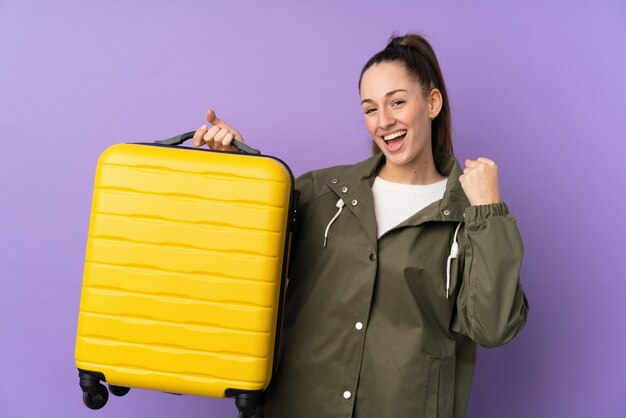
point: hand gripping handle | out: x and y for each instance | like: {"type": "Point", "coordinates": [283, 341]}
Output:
{"type": "Point", "coordinates": [179, 139]}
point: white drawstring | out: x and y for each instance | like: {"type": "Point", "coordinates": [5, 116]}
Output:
{"type": "Point", "coordinates": [454, 252]}
{"type": "Point", "coordinates": [340, 204]}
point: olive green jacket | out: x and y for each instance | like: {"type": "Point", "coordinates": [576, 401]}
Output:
{"type": "Point", "coordinates": [368, 330]}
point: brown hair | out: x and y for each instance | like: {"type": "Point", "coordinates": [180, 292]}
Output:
{"type": "Point", "coordinates": [420, 60]}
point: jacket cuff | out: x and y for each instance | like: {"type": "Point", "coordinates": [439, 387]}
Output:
{"type": "Point", "coordinates": [476, 215]}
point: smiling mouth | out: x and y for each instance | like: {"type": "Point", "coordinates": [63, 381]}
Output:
{"type": "Point", "coordinates": [395, 135]}
{"type": "Point", "coordinates": [394, 141]}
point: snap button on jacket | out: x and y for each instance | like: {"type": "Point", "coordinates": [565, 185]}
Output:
{"type": "Point", "coordinates": [412, 351]}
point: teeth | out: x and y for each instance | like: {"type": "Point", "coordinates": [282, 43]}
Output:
{"type": "Point", "coordinates": [394, 135]}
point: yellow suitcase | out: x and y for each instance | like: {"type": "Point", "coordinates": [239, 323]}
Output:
{"type": "Point", "coordinates": [184, 272]}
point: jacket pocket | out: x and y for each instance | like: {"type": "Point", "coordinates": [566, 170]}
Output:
{"type": "Point", "coordinates": [454, 267]}
{"type": "Point", "coordinates": [440, 388]}
{"type": "Point", "coordinates": [453, 270]}
{"type": "Point", "coordinates": [432, 389]}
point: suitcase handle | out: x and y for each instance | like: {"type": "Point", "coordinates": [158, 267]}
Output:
{"type": "Point", "coordinates": [179, 139]}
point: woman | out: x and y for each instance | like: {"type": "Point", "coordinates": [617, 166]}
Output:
{"type": "Point", "coordinates": [403, 262]}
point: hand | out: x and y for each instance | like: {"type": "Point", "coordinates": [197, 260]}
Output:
{"type": "Point", "coordinates": [219, 137]}
{"type": "Point", "coordinates": [480, 181]}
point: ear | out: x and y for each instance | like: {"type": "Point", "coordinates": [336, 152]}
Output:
{"type": "Point", "coordinates": [435, 102]}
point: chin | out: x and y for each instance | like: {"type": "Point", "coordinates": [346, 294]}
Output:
{"type": "Point", "coordinates": [405, 158]}
{"type": "Point", "coordinates": [399, 162]}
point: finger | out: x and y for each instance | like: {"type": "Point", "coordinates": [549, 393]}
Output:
{"type": "Point", "coordinates": [210, 134]}
{"type": "Point", "coordinates": [197, 136]}
{"type": "Point", "coordinates": [219, 137]}
{"type": "Point", "coordinates": [487, 161]}
{"type": "Point", "coordinates": [228, 139]}
{"type": "Point", "coordinates": [212, 118]}
{"type": "Point", "coordinates": [472, 163]}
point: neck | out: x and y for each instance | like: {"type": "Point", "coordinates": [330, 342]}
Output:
{"type": "Point", "coordinates": [420, 171]}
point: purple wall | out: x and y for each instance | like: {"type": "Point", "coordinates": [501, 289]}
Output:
{"type": "Point", "coordinates": [538, 87]}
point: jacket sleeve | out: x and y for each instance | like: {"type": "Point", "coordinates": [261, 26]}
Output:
{"type": "Point", "coordinates": [491, 305]}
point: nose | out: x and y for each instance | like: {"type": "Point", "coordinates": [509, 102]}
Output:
{"type": "Point", "coordinates": [385, 119]}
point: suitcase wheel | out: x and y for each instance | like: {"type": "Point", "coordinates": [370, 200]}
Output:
{"type": "Point", "coordinates": [118, 390]}
{"type": "Point", "coordinates": [249, 405]}
{"type": "Point", "coordinates": [244, 415]}
{"type": "Point", "coordinates": [96, 397]}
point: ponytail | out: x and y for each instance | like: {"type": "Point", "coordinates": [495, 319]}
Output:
{"type": "Point", "coordinates": [420, 60]}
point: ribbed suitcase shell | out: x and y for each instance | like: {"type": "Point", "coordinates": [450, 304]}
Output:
{"type": "Point", "coordinates": [183, 269]}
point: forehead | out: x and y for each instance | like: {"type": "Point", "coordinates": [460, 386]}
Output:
{"type": "Point", "coordinates": [384, 77]}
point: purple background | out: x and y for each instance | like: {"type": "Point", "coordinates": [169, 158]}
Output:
{"type": "Point", "coordinates": [537, 86]}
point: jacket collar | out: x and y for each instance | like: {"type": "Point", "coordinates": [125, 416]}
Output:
{"type": "Point", "coordinates": [454, 200]}
{"type": "Point", "coordinates": [354, 186]}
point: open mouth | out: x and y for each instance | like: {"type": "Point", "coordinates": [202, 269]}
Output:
{"type": "Point", "coordinates": [394, 140]}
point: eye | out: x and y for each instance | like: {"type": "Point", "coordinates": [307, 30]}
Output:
{"type": "Point", "coordinates": [398, 102]}
{"type": "Point", "coordinates": [369, 111]}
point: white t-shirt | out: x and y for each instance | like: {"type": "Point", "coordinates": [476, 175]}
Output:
{"type": "Point", "coordinates": [396, 202]}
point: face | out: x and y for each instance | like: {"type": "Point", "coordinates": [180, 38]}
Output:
{"type": "Point", "coordinates": [398, 114]}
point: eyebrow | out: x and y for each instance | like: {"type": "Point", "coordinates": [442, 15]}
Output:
{"type": "Point", "coordinates": [391, 93]}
